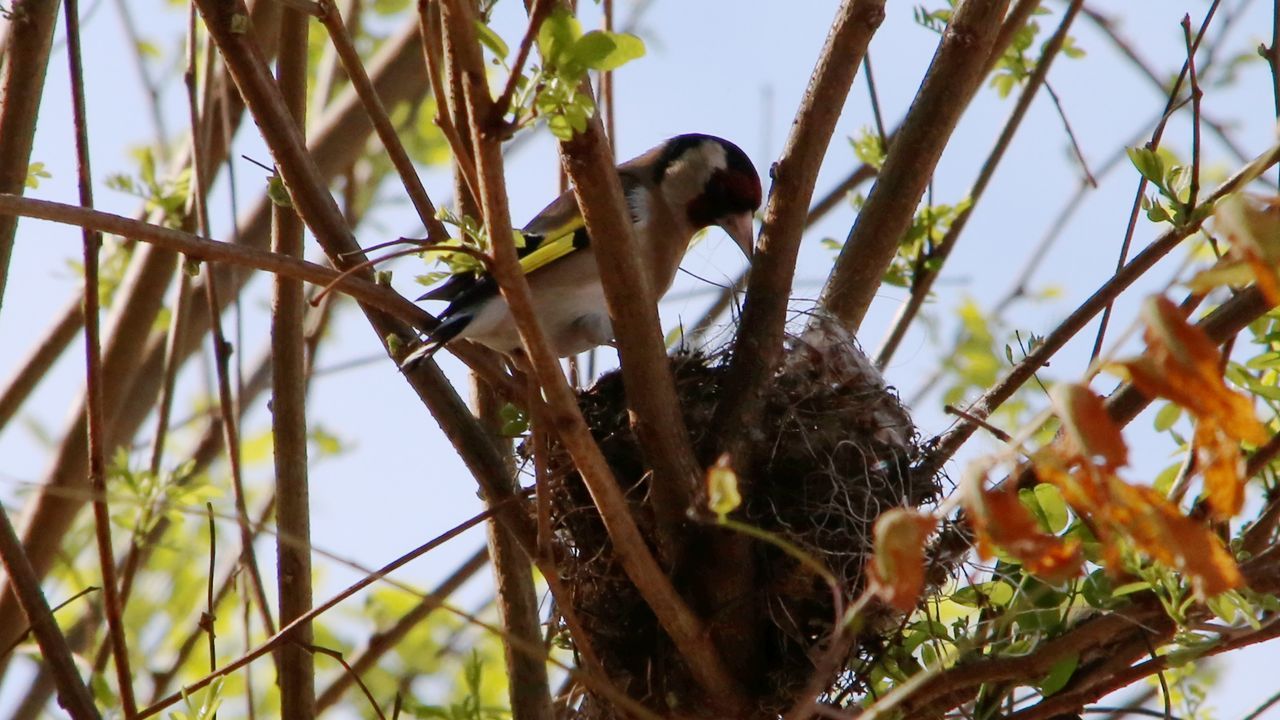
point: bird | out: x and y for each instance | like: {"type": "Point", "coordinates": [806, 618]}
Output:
{"type": "Point", "coordinates": [687, 183]}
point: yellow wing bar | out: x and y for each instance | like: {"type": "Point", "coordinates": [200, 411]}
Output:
{"type": "Point", "coordinates": [556, 245]}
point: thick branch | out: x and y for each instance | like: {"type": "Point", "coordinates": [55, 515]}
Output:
{"type": "Point", "coordinates": [288, 402]}
{"type": "Point", "coordinates": [516, 597]}
{"type": "Point", "coordinates": [655, 410]}
{"type": "Point", "coordinates": [922, 282]}
{"type": "Point", "coordinates": [29, 40]}
{"type": "Point", "coordinates": [954, 77]}
{"type": "Point", "coordinates": [759, 341]}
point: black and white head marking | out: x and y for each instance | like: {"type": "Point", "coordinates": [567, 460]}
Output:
{"type": "Point", "coordinates": [710, 177]}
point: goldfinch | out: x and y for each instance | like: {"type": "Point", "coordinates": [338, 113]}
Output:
{"type": "Point", "coordinates": [687, 183]}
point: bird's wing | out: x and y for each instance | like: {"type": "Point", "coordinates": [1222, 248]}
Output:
{"type": "Point", "coordinates": [560, 228]}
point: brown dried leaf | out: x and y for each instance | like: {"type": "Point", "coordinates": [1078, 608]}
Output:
{"type": "Point", "coordinates": [1252, 225]}
{"type": "Point", "coordinates": [1264, 273]}
{"type": "Point", "coordinates": [1086, 420]}
{"type": "Point", "coordinates": [1222, 465]}
{"type": "Point", "coordinates": [1183, 365]}
{"type": "Point", "coordinates": [1169, 334]}
{"type": "Point", "coordinates": [1083, 488]}
{"type": "Point", "coordinates": [1001, 520]}
{"type": "Point", "coordinates": [1158, 529]}
{"type": "Point", "coordinates": [898, 566]}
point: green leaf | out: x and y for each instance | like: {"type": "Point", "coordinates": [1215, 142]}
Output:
{"type": "Point", "coordinates": [1167, 416]}
{"type": "Point", "coordinates": [997, 593]}
{"type": "Point", "coordinates": [1131, 588]}
{"type": "Point", "coordinates": [557, 35]}
{"type": "Point", "coordinates": [1053, 507]}
{"type": "Point", "coordinates": [1058, 675]}
{"type": "Point", "coordinates": [514, 421]}
{"type": "Point", "coordinates": [1148, 163]}
{"type": "Point", "coordinates": [491, 40]}
{"type": "Point", "coordinates": [600, 50]}
{"type": "Point", "coordinates": [722, 489]}
{"type": "Point", "coordinates": [868, 148]}
{"type": "Point", "coordinates": [278, 193]}
{"type": "Point", "coordinates": [36, 171]}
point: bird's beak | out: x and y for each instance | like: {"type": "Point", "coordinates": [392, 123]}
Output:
{"type": "Point", "coordinates": [741, 229]}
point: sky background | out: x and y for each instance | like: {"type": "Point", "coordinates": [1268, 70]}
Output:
{"type": "Point", "coordinates": [735, 68]}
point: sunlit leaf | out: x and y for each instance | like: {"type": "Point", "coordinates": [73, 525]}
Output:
{"type": "Point", "coordinates": [1001, 520]}
{"type": "Point", "coordinates": [1160, 530]}
{"type": "Point", "coordinates": [1086, 420]}
{"type": "Point", "coordinates": [491, 40]}
{"type": "Point", "coordinates": [722, 488]}
{"type": "Point", "coordinates": [1058, 675]}
{"type": "Point", "coordinates": [1183, 365]}
{"type": "Point", "coordinates": [898, 568]}
{"type": "Point", "coordinates": [600, 50]}
{"type": "Point", "coordinates": [1221, 463]}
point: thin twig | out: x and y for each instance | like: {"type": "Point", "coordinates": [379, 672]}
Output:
{"type": "Point", "coordinates": [1159, 83]}
{"type": "Point", "coordinates": [1170, 105]}
{"type": "Point", "coordinates": [368, 95]}
{"type": "Point", "coordinates": [538, 12]}
{"type": "Point", "coordinates": [208, 617]}
{"type": "Point", "coordinates": [329, 652]}
{"type": "Point", "coordinates": [923, 279]}
{"type": "Point", "coordinates": [224, 583]}
{"type": "Point", "coordinates": [94, 378]}
{"type": "Point", "coordinates": [1193, 189]}
{"type": "Point", "coordinates": [386, 640]}
{"type": "Point", "coordinates": [231, 441]}
{"type": "Point", "coordinates": [1089, 179]}
{"type": "Point", "coordinates": [952, 439]}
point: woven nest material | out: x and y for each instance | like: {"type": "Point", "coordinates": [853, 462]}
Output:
{"type": "Point", "coordinates": [832, 452]}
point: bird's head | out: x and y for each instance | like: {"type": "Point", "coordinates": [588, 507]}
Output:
{"type": "Point", "coordinates": [714, 182]}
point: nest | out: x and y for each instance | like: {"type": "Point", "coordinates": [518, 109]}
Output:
{"type": "Point", "coordinates": [833, 451]}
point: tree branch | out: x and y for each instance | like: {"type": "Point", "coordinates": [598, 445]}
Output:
{"type": "Point", "coordinates": [952, 439]}
{"type": "Point", "coordinates": [289, 383]}
{"type": "Point", "coordinates": [517, 598]}
{"type": "Point", "coordinates": [759, 341]}
{"type": "Point", "coordinates": [368, 95]}
{"type": "Point", "coordinates": [94, 379]}
{"type": "Point", "coordinates": [26, 62]}
{"type": "Point", "coordinates": [954, 76]}
{"type": "Point", "coordinates": [655, 410]}
{"type": "Point", "coordinates": [633, 554]}
{"type": "Point", "coordinates": [922, 282]}
{"type": "Point", "coordinates": [383, 641]}
{"type": "Point", "coordinates": [73, 694]}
